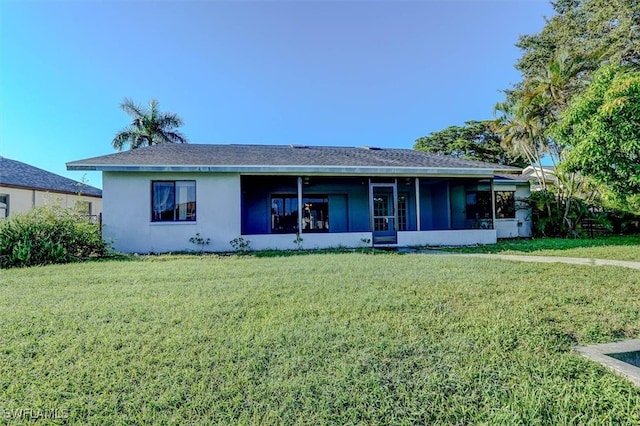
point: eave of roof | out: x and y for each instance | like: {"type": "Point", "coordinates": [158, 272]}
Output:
{"type": "Point", "coordinates": [290, 170]}
{"type": "Point", "coordinates": [280, 159]}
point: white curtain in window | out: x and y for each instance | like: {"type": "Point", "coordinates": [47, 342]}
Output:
{"type": "Point", "coordinates": [162, 198]}
{"type": "Point", "coordinates": [185, 200]}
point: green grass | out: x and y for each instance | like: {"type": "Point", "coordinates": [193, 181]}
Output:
{"type": "Point", "coordinates": [316, 339]}
{"type": "Point", "coordinates": [615, 247]}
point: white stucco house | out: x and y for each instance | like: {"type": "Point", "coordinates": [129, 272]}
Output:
{"type": "Point", "coordinates": [157, 198]}
{"type": "Point", "coordinates": [23, 187]}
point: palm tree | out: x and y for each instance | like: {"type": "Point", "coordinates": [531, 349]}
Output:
{"type": "Point", "coordinates": [149, 127]}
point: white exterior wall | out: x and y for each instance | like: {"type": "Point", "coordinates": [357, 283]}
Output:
{"type": "Point", "coordinates": [127, 219]}
{"type": "Point", "coordinates": [23, 200]}
{"type": "Point", "coordinates": [507, 228]}
{"type": "Point", "coordinates": [127, 213]}
{"type": "Point", "coordinates": [309, 241]}
{"type": "Point", "coordinates": [521, 225]}
{"type": "Point", "coordinates": [462, 237]}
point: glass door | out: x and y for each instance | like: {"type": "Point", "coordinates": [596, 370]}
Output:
{"type": "Point", "coordinates": [384, 213]}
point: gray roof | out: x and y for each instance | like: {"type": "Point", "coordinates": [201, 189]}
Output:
{"type": "Point", "coordinates": [20, 175]}
{"type": "Point", "coordinates": [283, 159]}
{"type": "Point", "coordinates": [511, 178]}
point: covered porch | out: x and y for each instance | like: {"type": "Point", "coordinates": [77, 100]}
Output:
{"type": "Point", "coordinates": [352, 211]}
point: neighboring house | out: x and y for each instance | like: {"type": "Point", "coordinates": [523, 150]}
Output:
{"type": "Point", "coordinates": [156, 198]}
{"type": "Point", "coordinates": [538, 174]}
{"type": "Point", "coordinates": [23, 187]}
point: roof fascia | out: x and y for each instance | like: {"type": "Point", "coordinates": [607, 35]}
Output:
{"type": "Point", "coordinates": [311, 170]}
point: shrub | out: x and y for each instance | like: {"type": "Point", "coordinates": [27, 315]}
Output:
{"type": "Point", "coordinates": [49, 234]}
{"type": "Point", "coordinates": [200, 241]}
{"type": "Point", "coordinates": [241, 245]}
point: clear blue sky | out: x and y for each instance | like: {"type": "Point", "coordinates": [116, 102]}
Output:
{"type": "Point", "coordinates": [303, 72]}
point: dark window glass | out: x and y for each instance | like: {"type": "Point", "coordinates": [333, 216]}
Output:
{"type": "Point", "coordinates": [173, 201]}
{"type": "Point", "coordinates": [284, 213]}
{"type": "Point", "coordinates": [315, 214]}
{"type": "Point", "coordinates": [505, 205]}
{"type": "Point", "coordinates": [478, 205]}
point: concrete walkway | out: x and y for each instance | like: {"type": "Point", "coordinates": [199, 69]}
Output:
{"type": "Point", "coordinates": [553, 259]}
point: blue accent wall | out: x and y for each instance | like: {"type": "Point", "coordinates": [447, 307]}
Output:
{"type": "Point", "coordinates": [442, 201]}
{"type": "Point", "coordinates": [348, 201]}
{"type": "Point", "coordinates": [434, 205]}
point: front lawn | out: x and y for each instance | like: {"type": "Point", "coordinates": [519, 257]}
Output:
{"type": "Point", "coordinates": [614, 247]}
{"type": "Point", "coordinates": [315, 339]}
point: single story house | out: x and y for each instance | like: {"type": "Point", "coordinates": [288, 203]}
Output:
{"type": "Point", "coordinates": [282, 196]}
{"type": "Point", "coordinates": [23, 187]}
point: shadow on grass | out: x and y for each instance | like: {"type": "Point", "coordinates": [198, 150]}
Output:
{"type": "Point", "coordinates": [528, 245]}
{"type": "Point", "coordinates": [125, 257]}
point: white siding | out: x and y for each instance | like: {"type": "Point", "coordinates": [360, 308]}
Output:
{"type": "Point", "coordinates": [309, 241]}
{"type": "Point", "coordinates": [462, 237]}
{"type": "Point", "coordinates": [127, 213]}
{"type": "Point", "coordinates": [521, 225]}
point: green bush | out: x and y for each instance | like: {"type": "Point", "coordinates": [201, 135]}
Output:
{"type": "Point", "coordinates": [49, 234]}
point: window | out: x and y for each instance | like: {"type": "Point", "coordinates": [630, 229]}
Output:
{"type": "Point", "coordinates": [402, 212]}
{"type": "Point", "coordinates": [4, 206]}
{"type": "Point", "coordinates": [83, 207]}
{"type": "Point", "coordinates": [173, 201]}
{"type": "Point", "coordinates": [478, 205]}
{"type": "Point", "coordinates": [315, 214]}
{"type": "Point", "coordinates": [284, 213]}
{"type": "Point", "coordinates": [505, 205]}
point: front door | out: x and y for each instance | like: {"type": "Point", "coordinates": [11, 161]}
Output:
{"type": "Point", "coordinates": [384, 213]}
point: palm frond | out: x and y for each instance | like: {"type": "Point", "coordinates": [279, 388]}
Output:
{"type": "Point", "coordinates": [131, 108]}
{"type": "Point", "coordinates": [123, 137]}
{"type": "Point", "coordinates": [148, 127]}
{"type": "Point", "coordinates": [176, 137]}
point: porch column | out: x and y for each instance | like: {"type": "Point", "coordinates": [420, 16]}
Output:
{"type": "Point", "coordinates": [417, 204]}
{"type": "Point", "coordinates": [300, 204]}
{"type": "Point", "coordinates": [493, 206]}
{"type": "Point", "coordinates": [370, 206]}
{"type": "Point", "coordinates": [395, 205]}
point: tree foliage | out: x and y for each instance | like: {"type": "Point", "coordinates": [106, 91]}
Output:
{"type": "Point", "coordinates": [594, 30]}
{"type": "Point", "coordinates": [557, 66]}
{"type": "Point", "coordinates": [476, 140]}
{"type": "Point", "coordinates": [602, 128]}
{"type": "Point", "coordinates": [148, 127]}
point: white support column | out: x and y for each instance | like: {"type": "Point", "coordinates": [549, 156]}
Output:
{"type": "Point", "coordinates": [300, 204]}
{"type": "Point", "coordinates": [493, 206]}
{"type": "Point", "coordinates": [371, 225]}
{"type": "Point", "coordinates": [417, 204]}
{"type": "Point", "coordinates": [395, 205]}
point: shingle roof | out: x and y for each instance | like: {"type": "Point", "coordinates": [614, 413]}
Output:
{"type": "Point", "coordinates": [17, 174]}
{"type": "Point", "coordinates": [199, 156]}
{"type": "Point", "coordinates": [512, 177]}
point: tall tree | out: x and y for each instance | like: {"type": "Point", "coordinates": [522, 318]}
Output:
{"type": "Point", "coordinates": [602, 128]}
{"type": "Point", "coordinates": [595, 30]}
{"type": "Point", "coordinates": [476, 140]}
{"type": "Point", "coordinates": [148, 127]}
